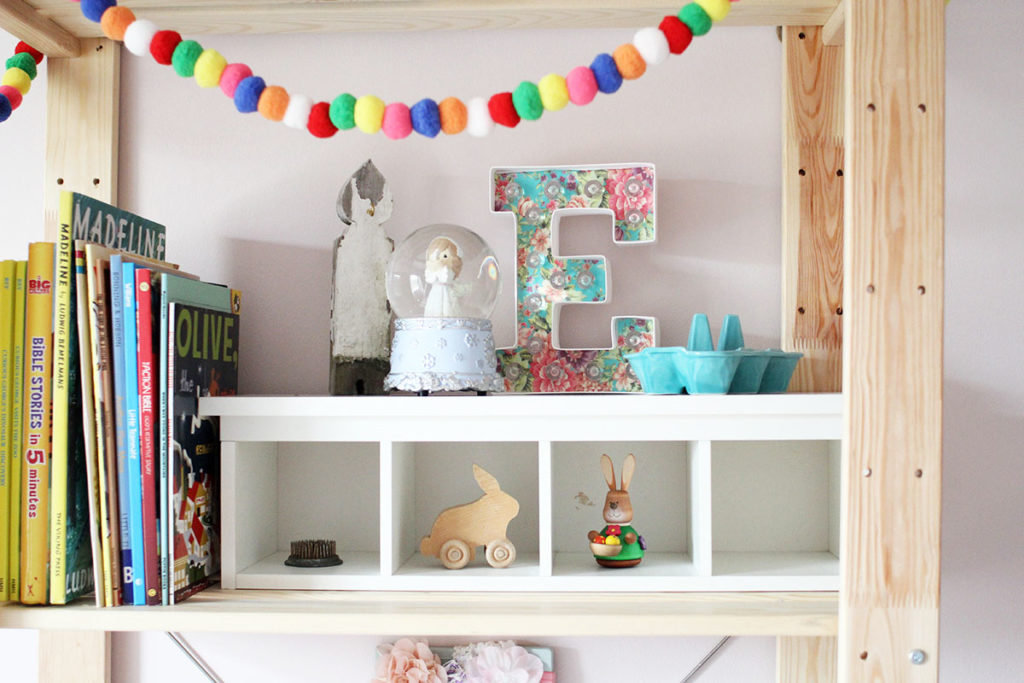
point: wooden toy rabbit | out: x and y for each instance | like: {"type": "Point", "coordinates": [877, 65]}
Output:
{"type": "Point", "coordinates": [458, 530]}
{"type": "Point", "coordinates": [618, 544]}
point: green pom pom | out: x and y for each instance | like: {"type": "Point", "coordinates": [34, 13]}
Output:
{"type": "Point", "coordinates": [23, 61]}
{"type": "Point", "coordinates": [526, 99]}
{"type": "Point", "coordinates": [694, 16]}
{"type": "Point", "coordinates": [342, 112]}
{"type": "Point", "coordinates": [184, 58]}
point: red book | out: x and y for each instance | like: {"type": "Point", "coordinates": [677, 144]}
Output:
{"type": "Point", "coordinates": [147, 435]}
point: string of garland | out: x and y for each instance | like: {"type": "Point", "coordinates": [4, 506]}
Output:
{"type": "Point", "coordinates": [17, 79]}
{"type": "Point", "coordinates": [370, 114]}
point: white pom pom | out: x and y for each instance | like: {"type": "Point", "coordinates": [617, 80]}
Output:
{"type": "Point", "coordinates": [139, 35]}
{"type": "Point", "coordinates": [297, 113]}
{"type": "Point", "coordinates": [478, 118]}
{"type": "Point", "coordinates": [652, 45]}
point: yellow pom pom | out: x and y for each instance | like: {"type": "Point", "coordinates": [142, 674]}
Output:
{"type": "Point", "coordinates": [209, 67]}
{"type": "Point", "coordinates": [17, 79]}
{"type": "Point", "coordinates": [369, 113]}
{"type": "Point", "coordinates": [716, 9]}
{"type": "Point", "coordinates": [554, 93]}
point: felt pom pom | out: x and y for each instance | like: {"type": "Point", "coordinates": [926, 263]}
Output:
{"type": "Point", "coordinates": [115, 20]}
{"type": "Point", "coordinates": [247, 94]}
{"type": "Point", "coordinates": [273, 103]}
{"type": "Point", "coordinates": [18, 79]}
{"type": "Point", "coordinates": [320, 121]}
{"type": "Point", "coordinates": [343, 112]}
{"type": "Point", "coordinates": [716, 9]}
{"type": "Point", "coordinates": [209, 67]}
{"type": "Point", "coordinates": [677, 33]}
{"type": "Point", "coordinates": [12, 94]}
{"type": "Point", "coordinates": [139, 35]}
{"type": "Point", "coordinates": [582, 85]}
{"type": "Point", "coordinates": [24, 62]}
{"type": "Point", "coordinates": [425, 117]}
{"type": "Point", "coordinates": [232, 76]}
{"type": "Point", "coordinates": [554, 92]}
{"type": "Point", "coordinates": [527, 102]}
{"type": "Point", "coordinates": [163, 46]}
{"type": "Point", "coordinates": [455, 117]}
{"type": "Point", "coordinates": [397, 122]}
{"type": "Point", "coordinates": [22, 46]}
{"type": "Point", "coordinates": [297, 114]}
{"type": "Point", "coordinates": [629, 61]}
{"type": "Point", "coordinates": [606, 73]}
{"type": "Point", "coordinates": [185, 56]}
{"type": "Point", "coordinates": [503, 109]}
{"type": "Point", "coordinates": [478, 118]}
{"type": "Point", "coordinates": [652, 45]}
{"type": "Point", "coordinates": [694, 16]}
{"type": "Point", "coordinates": [5, 108]}
{"type": "Point", "coordinates": [94, 9]}
{"type": "Point", "coordinates": [369, 113]}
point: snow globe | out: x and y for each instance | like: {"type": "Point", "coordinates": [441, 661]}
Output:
{"type": "Point", "coordinates": [443, 282]}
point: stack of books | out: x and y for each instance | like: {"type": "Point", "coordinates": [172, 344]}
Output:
{"type": "Point", "coordinates": [108, 474]}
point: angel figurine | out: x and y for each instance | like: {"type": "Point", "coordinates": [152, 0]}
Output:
{"type": "Point", "coordinates": [444, 263]}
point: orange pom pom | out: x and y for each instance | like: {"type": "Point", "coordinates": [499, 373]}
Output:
{"type": "Point", "coordinates": [629, 62]}
{"type": "Point", "coordinates": [273, 102]}
{"type": "Point", "coordinates": [453, 115]}
{"type": "Point", "coordinates": [115, 22]}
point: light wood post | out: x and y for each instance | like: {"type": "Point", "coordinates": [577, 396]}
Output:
{"type": "Point", "coordinates": [889, 600]}
{"type": "Point", "coordinates": [812, 259]}
{"type": "Point", "coordinates": [81, 156]}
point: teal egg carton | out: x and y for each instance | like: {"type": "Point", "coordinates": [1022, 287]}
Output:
{"type": "Point", "coordinates": [700, 368]}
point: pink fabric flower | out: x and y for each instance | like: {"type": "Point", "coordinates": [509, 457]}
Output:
{"type": "Point", "coordinates": [496, 664]}
{"type": "Point", "coordinates": [629, 189]}
{"type": "Point", "coordinates": [409, 661]}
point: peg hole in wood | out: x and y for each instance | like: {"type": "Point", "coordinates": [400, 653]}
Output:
{"type": "Point", "coordinates": [801, 35]}
{"type": "Point", "coordinates": [918, 473]}
{"type": "Point", "coordinates": [801, 310]}
{"type": "Point", "coordinates": [99, 48]}
{"type": "Point", "coordinates": [839, 172]}
{"type": "Point", "coordinates": [60, 181]}
{"type": "Point", "coordinates": [921, 290]}
{"type": "Point", "coordinates": [839, 310]}
{"type": "Point", "coordinates": [95, 181]}
{"type": "Point", "coordinates": [921, 108]}
{"type": "Point", "coordinates": [802, 172]}
{"type": "Point", "coordinates": [867, 472]}
{"type": "Point", "coordinates": [871, 289]}
{"type": "Point", "coordinates": [871, 106]}
{"type": "Point", "coordinates": [864, 655]}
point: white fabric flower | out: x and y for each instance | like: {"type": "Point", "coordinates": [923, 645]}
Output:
{"type": "Point", "coordinates": [497, 664]}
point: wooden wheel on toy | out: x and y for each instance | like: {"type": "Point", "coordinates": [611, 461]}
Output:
{"type": "Point", "coordinates": [455, 554]}
{"type": "Point", "coordinates": [500, 553]}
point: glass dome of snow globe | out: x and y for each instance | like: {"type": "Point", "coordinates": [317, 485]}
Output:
{"type": "Point", "coordinates": [443, 282]}
{"type": "Point", "coordinates": [443, 271]}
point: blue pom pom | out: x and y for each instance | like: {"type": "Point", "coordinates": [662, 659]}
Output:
{"type": "Point", "coordinates": [426, 118]}
{"type": "Point", "coordinates": [5, 108]}
{"type": "Point", "coordinates": [94, 9]}
{"type": "Point", "coordinates": [247, 94]}
{"type": "Point", "coordinates": [606, 73]}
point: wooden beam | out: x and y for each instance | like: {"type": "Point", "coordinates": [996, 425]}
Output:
{"type": "Point", "coordinates": [890, 548]}
{"type": "Point", "coordinates": [20, 19]}
{"type": "Point", "coordinates": [799, 660]}
{"type": "Point", "coordinates": [74, 656]}
{"type": "Point", "coordinates": [833, 31]}
{"type": "Point", "coordinates": [812, 208]}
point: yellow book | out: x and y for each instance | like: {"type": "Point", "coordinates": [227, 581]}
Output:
{"type": "Point", "coordinates": [17, 431]}
{"type": "Point", "coordinates": [35, 466]}
{"type": "Point", "coordinates": [6, 381]}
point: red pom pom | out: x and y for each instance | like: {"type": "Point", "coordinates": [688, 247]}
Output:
{"type": "Point", "coordinates": [677, 33]}
{"type": "Point", "coordinates": [162, 47]}
{"type": "Point", "coordinates": [25, 47]}
{"type": "Point", "coordinates": [503, 110]}
{"type": "Point", "coordinates": [320, 121]}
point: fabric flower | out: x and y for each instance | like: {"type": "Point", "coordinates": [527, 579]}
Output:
{"type": "Point", "coordinates": [498, 664]}
{"type": "Point", "coordinates": [409, 661]}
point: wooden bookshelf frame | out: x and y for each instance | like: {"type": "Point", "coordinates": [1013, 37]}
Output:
{"type": "Point", "coordinates": [884, 225]}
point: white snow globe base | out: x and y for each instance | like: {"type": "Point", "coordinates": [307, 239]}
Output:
{"type": "Point", "coordinates": [443, 354]}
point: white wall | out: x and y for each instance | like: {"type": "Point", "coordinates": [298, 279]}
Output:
{"type": "Point", "coordinates": [252, 203]}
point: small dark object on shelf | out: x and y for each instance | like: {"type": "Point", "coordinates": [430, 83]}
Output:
{"type": "Point", "coordinates": [310, 553]}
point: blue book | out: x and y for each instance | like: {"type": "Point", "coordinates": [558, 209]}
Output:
{"type": "Point", "coordinates": [132, 442]}
{"type": "Point", "coordinates": [117, 325]}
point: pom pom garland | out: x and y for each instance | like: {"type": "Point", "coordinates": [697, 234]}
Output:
{"type": "Point", "coordinates": [22, 46]}
{"type": "Point", "coordinates": [319, 123]}
{"type": "Point", "coordinates": [297, 114]}
{"type": "Point", "coordinates": [139, 36]}
{"type": "Point", "coordinates": [652, 45]}
{"type": "Point", "coordinates": [232, 76]}
{"type": "Point", "coordinates": [94, 9]}
{"type": "Point", "coordinates": [676, 33]}
{"type": "Point", "coordinates": [425, 117]}
{"type": "Point", "coordinates": [629, 62]}
{"type": "Point", "coordinates": [582, 85]}
{"type": "Point", "coordinates": [24, 62]}
{"type": "Point", "coordinates": [184, 58]}
{"type": "Point", "coordinates": [18, 79]}
{"type": "Point", "coordinates": [479, 123]}
{"type": "Point", "coordinates": [343, 112]}
{"type": "Point", "coordinates": [115, 21]}
{"type": "Point", "coordinates": [454, 116]}
{"type": "Point", "coordinates": [247, 94]}
{"type": "Point", "coordinates": [716, 9]}
{"type": "Point", "coordinates": [526, 100]}
{"type": "Point", "coordinates": [12, 94]}
{"type": "Point", "coordinates": [554, 92]}
{"type": "Point", "coordinates": [606, 73]}
{"type": "Point", "coordinates": [209, 67]}
{"type": "Point", "coordinates": [397, 122]}
{"type": "Point", "coordinates": [502, 109]}
{"type": "Point", "coordinates": [694, 16]}
{"type": "Point", "coordinates": [369, 113]}
{"type": "Point", "coordinates": [163, 45]}
{"type": "Point", "coordinates": [273, 103]}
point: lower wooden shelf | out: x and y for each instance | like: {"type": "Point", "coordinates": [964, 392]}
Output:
{"type": "Point", "coordinates": [456, 614]}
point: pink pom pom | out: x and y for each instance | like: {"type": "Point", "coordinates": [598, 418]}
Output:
{"type": "Point", "coordinates": [582, 85]}
{"type": "Point", "coordinates": [397, 122]}
{"type": "Point", "coordinates": [232, 76]}
{"type": "Point", "coordinates": [12, 94]}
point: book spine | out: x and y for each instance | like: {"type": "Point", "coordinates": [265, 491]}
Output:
{"type": "Point", "coordinates": [120, 433]}
{"type": "Point", "coordinates": [59, 428]}
{"type": "Point", "coordinates": [17, 429]}
{"type": "Point", "coordinates": [131, 398]}
{"type": "Point", "coordinates": [36, 450]}
{"type": "Point", "coordinates": [6, 407]}
{"type": "Point", "coordinates": [147, 417]}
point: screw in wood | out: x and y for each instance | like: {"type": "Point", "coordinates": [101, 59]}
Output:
{"type": "Point", "coordinates": [921, 290]}
{"type": "Point", "coordinates": [871, 289]}
{"type": "Point", "coordinates": [871, 106]}
{"type": "Point", "coordinates": [918, 657]}
{"type": "Point", "coordinates": [918, 473]}
{"type": "Point", "coordinates": [867, 472]}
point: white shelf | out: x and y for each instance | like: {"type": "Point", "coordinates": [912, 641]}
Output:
{"type": "Point", "coordinates": [358, 571]}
